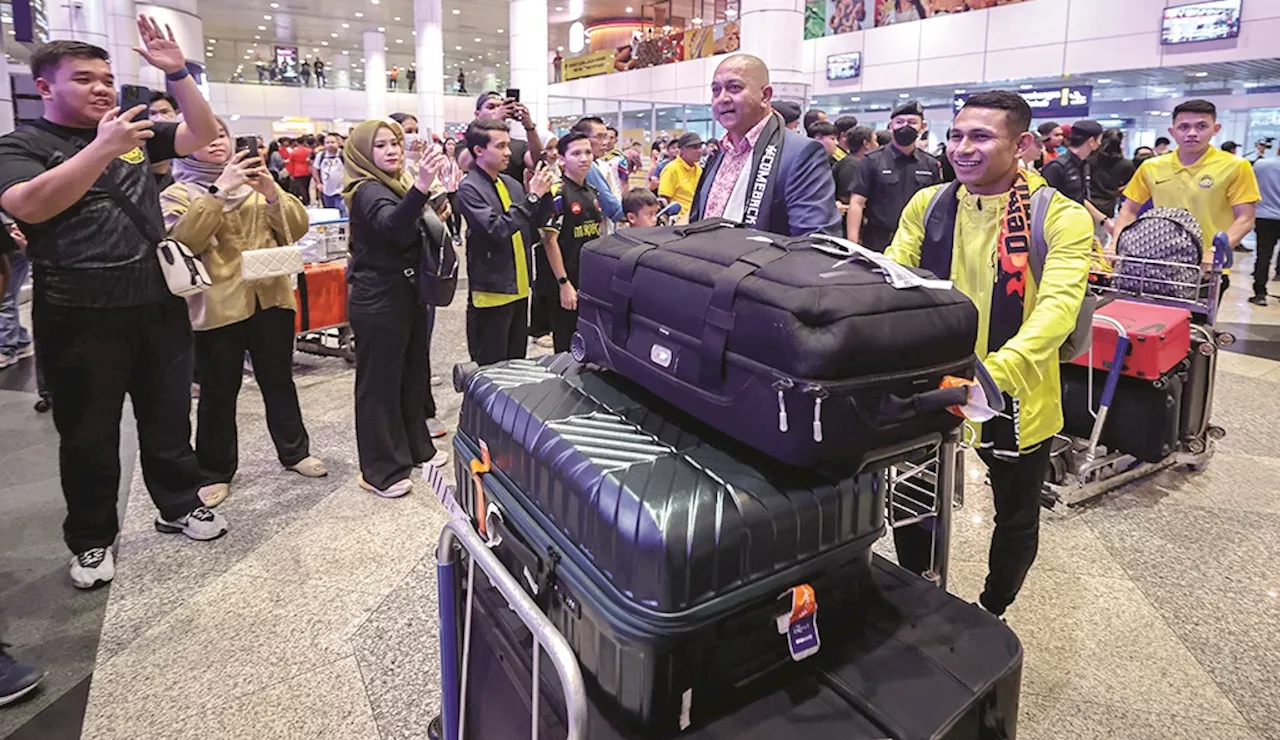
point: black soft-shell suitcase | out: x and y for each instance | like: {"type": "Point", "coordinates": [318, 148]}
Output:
{"type": "Point", "coordinates": [1145, 419]}
{"type": "Point", "coordinates": [811, 358]}
{"type": "Point", "coordinates": [915, 664]}
{"type": "Point", "coordinates": [659, 547]}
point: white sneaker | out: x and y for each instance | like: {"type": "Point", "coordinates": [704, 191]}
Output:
{"type": "Point", "coordinates": [93, 567]}
{"type": "Point", "coordinates": [436, 428]}
{"type": "Point", "coordinates": [436, 381]}
{"type": "Point", "coordinates": [441, 457]}
{"type": "Point", "coordinates": [395, 490]}
{"type": "Point", "coordinates": [201, 524]}
{"type": "Point", "coordinates": [546, 341]}
{"type": "Point", "coordinates": [7, 361]}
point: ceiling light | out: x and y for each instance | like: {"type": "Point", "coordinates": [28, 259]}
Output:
{"type": "Point", "coordinates": [235, 116]}
{"type": "Point", "coordinates": [275, 5]}
{"type": "Point", "coordinates": [257, 37]}
{"type": "Point", "coordinates": [731, 13]}
{"type": "Point", "coordinates": [456, 11]}
{"type": "Point", "coordinates": [901, 95]}
{"type": "Point", "coordinates": [399, 41]}
{"type": "Point", "coordinates": [213, 41]}
{"type": "Point", "coordinates": [457, 48]}
{"type": "Point", "coordinates": [559, 8]}
{"type": "Point", "coordinates": [324, 43]}
{"type": "Point", "coordinates": [1104, 80]}
{"type": "Point", "coordinates": [396, 18]}
{"type": "Point", "coordinates": [266, 17]}
{"type": "Point", "coordinates": [346, 25]}
{"type": "Point", "coordinates": [362, 60]}
{"type": "Point", "coordinates": [477, 39]}
{"type": "Point", "coordinates": [345, 52]}
{"type": "Point", "coordinates": [374, 2]}
{"type": "Point", "coordinates": [630, 9]}
{"type": "Point", "coordinates": [262, 28]}
{"type": "Point", "coordinates": [558, 48]}
{"type": "Point", "coordinates": [501, 31]}
{"type": "Point", "coordinates": [856, 99]}
{"type": "Point", "coordinates": [415, 33]}
{"type": "Point", "coordinates": [317, 50]}
{"type": "Point", "coordinates": [382, 29]}
{"type": "Point", "coordinates": [697, 21]}
{"type": "Point", "coordinates": [208, 54]}
{"type": "Point", "coordinates": [961, 91]}
{"type": "Point", "coordinates": [359, 15]}
{"type": "Point", "coordinates": [1202, 74]}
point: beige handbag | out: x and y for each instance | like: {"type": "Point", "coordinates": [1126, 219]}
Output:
{"type": "Point", "coordinates": [273, 262]}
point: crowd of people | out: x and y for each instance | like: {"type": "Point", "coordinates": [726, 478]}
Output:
{"type": "Point", "coordinates": [89, 191]}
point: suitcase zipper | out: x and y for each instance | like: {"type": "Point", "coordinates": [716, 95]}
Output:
{"type": "Point", "coordinates": [823, 391]}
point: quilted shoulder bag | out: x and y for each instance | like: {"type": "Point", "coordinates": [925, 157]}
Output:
{"type": "Point", "coordinates": [270, 262]}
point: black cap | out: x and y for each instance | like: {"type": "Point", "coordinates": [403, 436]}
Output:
{"type": "Point", "coordinates": [790, 111]}
{"type": "Point", "coordinates": [909, 108]}
{"type": "Point", "coordinates": [1087, 128]}
{"type": "Point", "coordinates": [1047, 128]}
{"type": "Point", "coordinates": [690, 139]}
{"type": "Point", "coordinates": [485, 96]}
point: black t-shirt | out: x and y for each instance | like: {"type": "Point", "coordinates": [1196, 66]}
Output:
{"type": "Point", "coordinates": [92, 254]}
{"type": "Point", "coordinates": [887, 178]}
{"type": "Point", "coordinates": [575, 217]}
{"type": "Point", "coordinates": [516, 167]}
{"type": "Point", "coordinates": [844, 171]}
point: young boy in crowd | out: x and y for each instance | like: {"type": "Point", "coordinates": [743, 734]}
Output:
{"type": "Point", "coordinates": [640, 207]}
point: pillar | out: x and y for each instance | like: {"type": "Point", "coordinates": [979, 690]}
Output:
{"type": "Point", "coordinates": [489, 80]}
{"type": "Point", "coordinates": [339, 72]}
{"type": "Point", "coordinates": [79, 20]}
{"type": "Point", "coordinates": [529, 43]}
{"type": "Point", "coordinates": [375, 73]}
{"type": "Point", "coordinates": [122, 36]}
{"type": "Point", "coordinates": [428, 22]}
{"type": "Point", "coordinates": [772, 30]}
{"type": "Point", "coordinates": [6, 92]}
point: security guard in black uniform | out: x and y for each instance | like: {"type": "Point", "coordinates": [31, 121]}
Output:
{"type": "Point", "coordinates": [575, 220]}
{"type": "Point", "coordinates": [887, 178]}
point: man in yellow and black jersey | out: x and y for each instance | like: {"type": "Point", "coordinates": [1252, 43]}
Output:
{"type": "Point", "coordinates": [575, 220]}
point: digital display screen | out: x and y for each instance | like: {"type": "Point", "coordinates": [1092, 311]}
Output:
{"type": "Point", "coordinates": [844, 66]}
{"type": "Point", "coordinates": [1204, 21]}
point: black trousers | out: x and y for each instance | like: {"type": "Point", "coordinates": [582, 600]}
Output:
{"type": "Point", "coordinates": [391, 388]}
{"type": "Point", "coordinates": [497, 334]}
{"type": "Point", "coordinates": [301, 187]}
{"type": "Point", "coordinates": [429, 408]}
{"type": "Point", "coordinates": [268, 338]}
{"type": "Point", "coordinates": [1015, 485]}
{"type": "Point", "coordinates": [1268, 234]}
{"type": "Point", "coordinates": [92, 357]}
{"type": "Point", "coordinates": [563, 325]}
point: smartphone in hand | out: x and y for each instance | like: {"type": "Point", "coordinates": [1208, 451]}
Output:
{"type": "Point", "coordinates": [247, 144]}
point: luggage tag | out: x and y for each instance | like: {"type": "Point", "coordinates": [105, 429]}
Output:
{"type": "Point", "coordinates": [447, 494]}
{"type": "Point", "coordinates": [483, 465]}
{"type": "Point", "coordinates": [800, 625]}
{"type": "Point", "coordinates": [985, 399]}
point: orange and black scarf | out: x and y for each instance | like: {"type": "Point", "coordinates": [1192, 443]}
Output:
{"type": "Point", "coordinates": [1008, 300]}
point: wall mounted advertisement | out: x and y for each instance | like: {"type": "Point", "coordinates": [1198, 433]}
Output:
{"type": "Point", "coordinates": [1053, 102]}
{"type": "Point", "coordinates": [831, 17]}
{"type": "Point", "coordinates": [1204, 21]}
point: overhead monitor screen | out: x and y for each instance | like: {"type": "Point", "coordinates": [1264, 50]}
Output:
{"type": "Point", "coordinates": [1204, 21]}
{"type": "Point", "coordinates": [844, 66]}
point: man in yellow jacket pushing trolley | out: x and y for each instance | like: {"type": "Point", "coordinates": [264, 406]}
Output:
{"type": "Point", "coordinates": [1023, 259]}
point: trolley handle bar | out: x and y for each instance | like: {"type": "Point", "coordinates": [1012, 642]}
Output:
{"type": "Point", "coordinates": [557, 648]}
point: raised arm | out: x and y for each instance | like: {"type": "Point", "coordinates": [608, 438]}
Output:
{"type": "Point", "coordinates": [160, 49]}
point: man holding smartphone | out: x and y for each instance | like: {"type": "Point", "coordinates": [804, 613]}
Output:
{"type": "Point", "coordinates": [491, 106]}
{"type": "Point", "coordinates": [106, 320]}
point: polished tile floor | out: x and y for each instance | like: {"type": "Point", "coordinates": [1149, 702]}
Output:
{"type": "Point", "coordinates": [1152, 614]}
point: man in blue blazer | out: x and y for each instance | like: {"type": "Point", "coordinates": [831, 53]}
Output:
{"type": "Point", "coordinates": [764, 176]}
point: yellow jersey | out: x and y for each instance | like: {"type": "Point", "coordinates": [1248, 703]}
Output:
{"type": "Point", "coordinates": [1208, 189]}
{"type": "Point", "coordinates": [679, 182]}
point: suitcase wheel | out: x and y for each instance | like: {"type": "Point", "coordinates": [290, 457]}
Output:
{"type": "Point", "coordinates": [435, 730]}
{"type": "Point", "coordinates": [578, 347]}
{"type": "Point", "coordinates": [1197, 446]}
{"type": "Point", "coordinates": [1217, 433]}
{"type": "Point", "coordinates": [1226, 339]}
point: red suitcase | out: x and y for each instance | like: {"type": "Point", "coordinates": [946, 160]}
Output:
{"type": "Point", "coordinates": [1159, 338]}
{"type": "Point", "coordinates": [322, 296]}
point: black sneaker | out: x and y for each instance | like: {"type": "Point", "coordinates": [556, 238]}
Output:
{"type": "Point", "coordinates": [16, 679]}
{"type": "Point", "coordinates": [1258, 300]}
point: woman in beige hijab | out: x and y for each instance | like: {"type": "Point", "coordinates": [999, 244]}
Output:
{"type": "Point", "coordinates": [224, 203]}
{"type": "Point", "coordinates": [387, 207]}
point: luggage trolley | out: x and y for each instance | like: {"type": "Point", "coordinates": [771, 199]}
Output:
{"type": "Point", "coordinates": [326, 241]}
{"type": "Point", "coordinates": [1083, 468]}
{"type": "Point", "coordinates": [941, 464]}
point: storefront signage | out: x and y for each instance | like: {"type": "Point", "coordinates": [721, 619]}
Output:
{"type": "Point", "coordinates": [587, 65]}
{"type": "Point", "coordinates": [30, 24]}
{"type": "Point", "coordinates": [1054, 102]}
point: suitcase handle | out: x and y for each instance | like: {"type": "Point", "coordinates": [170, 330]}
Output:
{"type": "Point", "coordinates": [502, 535]}
{"type": "Point", "coordinates": [705, 225]}
{"type": "Point", "coordinates": [896, 409]}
